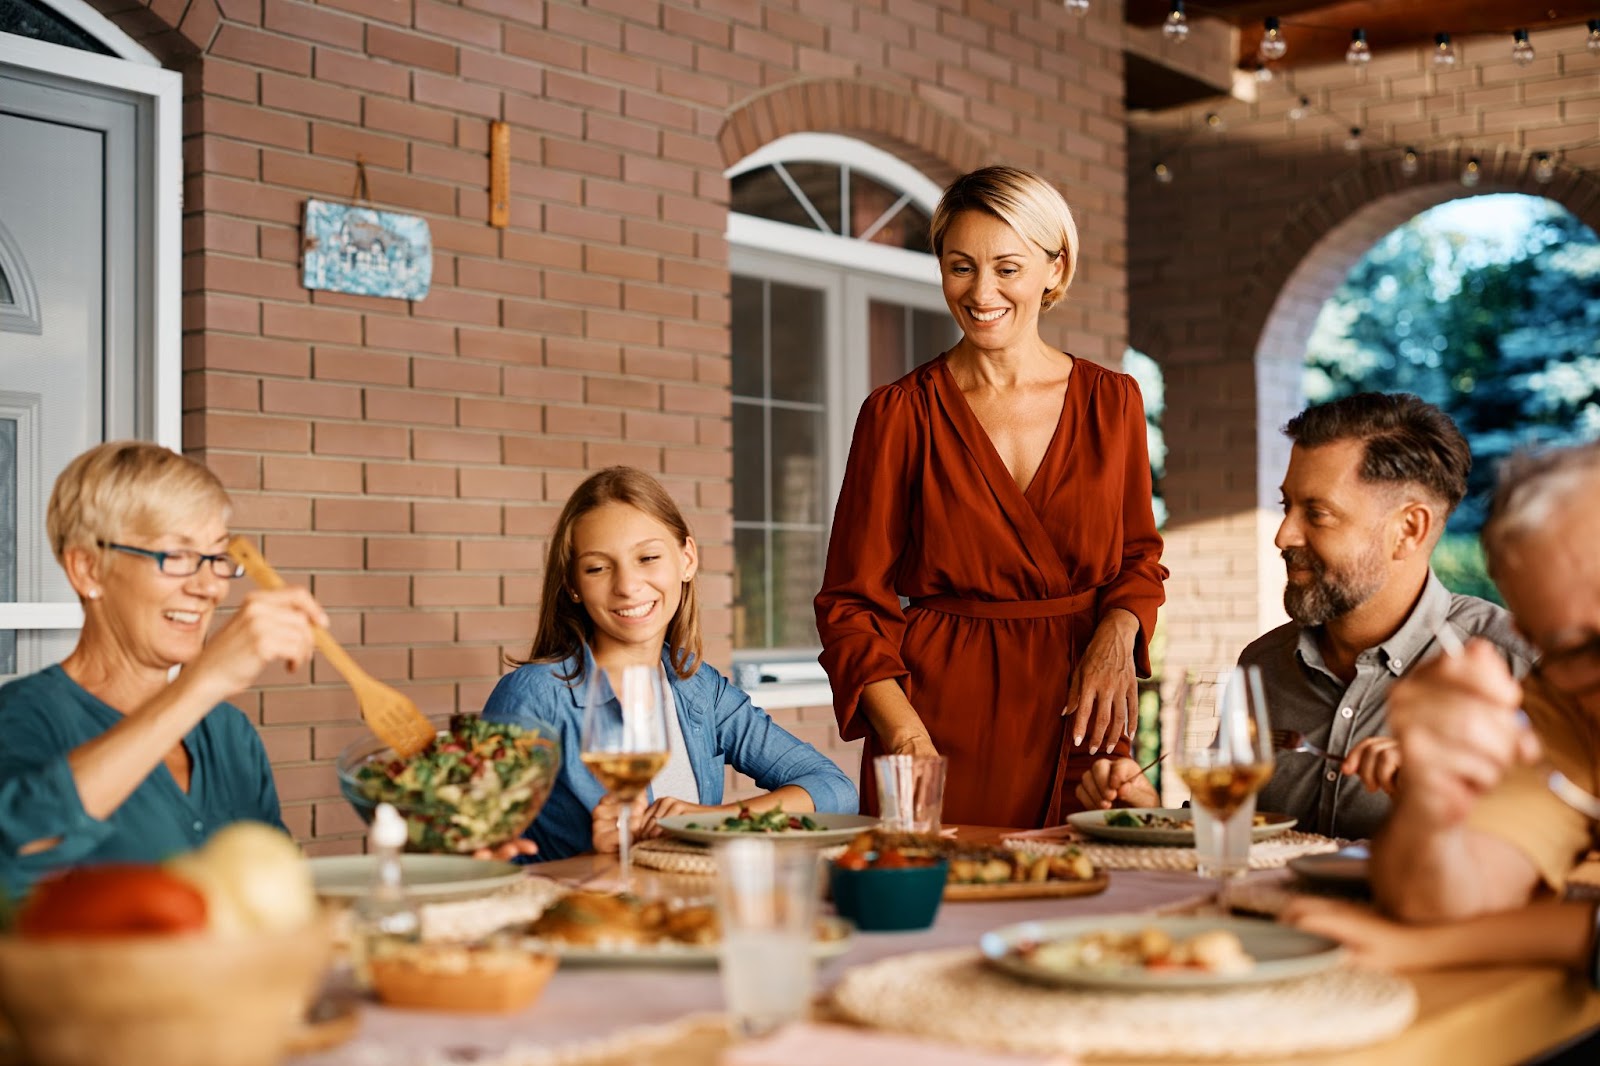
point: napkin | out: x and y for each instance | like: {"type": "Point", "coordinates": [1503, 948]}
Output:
{"type": "Point", "coordinates": [811, 1044]}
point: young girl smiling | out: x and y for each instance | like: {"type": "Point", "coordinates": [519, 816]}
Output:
{"type": "Point", "coordinates": [619, 590]}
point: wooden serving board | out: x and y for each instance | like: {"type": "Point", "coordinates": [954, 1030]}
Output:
{"type": "Point", "coordinates": [1002, 890]}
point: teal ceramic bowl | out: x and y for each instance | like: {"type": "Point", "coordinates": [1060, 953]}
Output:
{"type": "Point", "coordinates": [888, 899]}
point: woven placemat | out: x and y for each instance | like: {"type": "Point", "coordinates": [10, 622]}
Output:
{"type": "Point", "coordinates": [683, 857]}
{"type": "Point", "coordinates": [951, 995]}
{"type": "Point", "coordinates": [693, 1040]}
{"type": "Point", "coordinates": [1264, 854]}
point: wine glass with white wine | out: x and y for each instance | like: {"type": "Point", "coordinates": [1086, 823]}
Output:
{"type": "Point", "coordinates": [625, 740]}
{"type": "Point", "coordinates": [1224, 749]}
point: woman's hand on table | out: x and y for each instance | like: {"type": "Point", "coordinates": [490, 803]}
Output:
{"type": "Point", "coordinates": [1103, 696]}
{"type": "Point", "coordinates": [647, 825]}
{"type": "Point", "coordinates": [511, 849]}
{"type": "Point", "coordinates": [1110, 780]}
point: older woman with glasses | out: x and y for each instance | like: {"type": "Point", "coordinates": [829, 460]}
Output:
{"type": "Point", "coordinates": [107, 756]}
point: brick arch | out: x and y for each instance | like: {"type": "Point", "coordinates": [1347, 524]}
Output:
{"type": "Point", "coordinates": [1320, 243]}
{"type": "Point", "coordinates": [172, 31]}
{"type": "Point", "coordinates": [941, 146]}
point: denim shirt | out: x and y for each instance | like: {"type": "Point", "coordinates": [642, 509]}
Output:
{"type": "Point", "coordinates": [720, 726]}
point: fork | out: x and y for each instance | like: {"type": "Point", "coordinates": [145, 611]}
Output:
{"type": "Point", "coordinates": [1294, 740]}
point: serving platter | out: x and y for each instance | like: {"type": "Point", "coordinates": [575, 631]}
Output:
{"type": "Point", "coordinates": [1281, 953]}
{"type": "Point", "coordinates": [835, 829]}
{"type": "Point", "coordinates": [1093, 823]}
{"type": "Point", "coordinates": [835, 938]}
{"type": "Point", "coordinates": [426, 876]}
{"type": "Point", "coordinates": [974, 892]}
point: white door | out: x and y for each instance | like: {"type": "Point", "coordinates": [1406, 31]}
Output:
{"type": "Point", "coordinates": [69, 336]}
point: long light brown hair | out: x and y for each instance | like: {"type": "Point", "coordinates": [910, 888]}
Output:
{"type": "Point", "coordinates": [564, 623]}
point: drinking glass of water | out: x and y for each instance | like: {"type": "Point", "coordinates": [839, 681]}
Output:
{"type": "Point", "coordinates": [767, 907]}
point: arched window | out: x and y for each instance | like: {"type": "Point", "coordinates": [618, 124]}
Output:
{"type": "Point", "coordinates": [835, 292]}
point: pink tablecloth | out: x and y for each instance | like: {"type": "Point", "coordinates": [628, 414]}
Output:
{"type": "Point", "coordinates": [583, 1003]}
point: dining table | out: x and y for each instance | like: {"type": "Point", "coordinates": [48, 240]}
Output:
{"type": "Point", "coordinates": [1489, 1015]}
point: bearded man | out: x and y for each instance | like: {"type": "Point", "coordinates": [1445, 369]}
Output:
{"type": "Point", "coordinates": [1372, 479]}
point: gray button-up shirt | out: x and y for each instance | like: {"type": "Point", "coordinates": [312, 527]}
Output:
{"type": "Point", "coordinates": [1304, 695]}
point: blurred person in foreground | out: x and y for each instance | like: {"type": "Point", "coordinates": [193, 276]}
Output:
{"type": "Point", "coordinates": [1372, 479]}
{"type": "Point", "coordinates": [107, 756]}
{"type": "Point", "coordinates": [1479, 848]}
{"type": "Point", "coordinates": [1476, 827]}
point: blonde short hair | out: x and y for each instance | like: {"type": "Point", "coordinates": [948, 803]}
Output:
{"type": "Point", "coordinates": [127, 486]}
{"type": "Point", "coordinates": [1025, 202]}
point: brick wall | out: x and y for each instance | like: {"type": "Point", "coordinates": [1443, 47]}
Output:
{"type": "Point", "coordinates": [407, 461]}
{"type": "Point", "coordinates": [1230, 264]}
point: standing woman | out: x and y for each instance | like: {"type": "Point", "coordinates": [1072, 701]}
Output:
{"type": "Point", "coordinates": [1003, 489]}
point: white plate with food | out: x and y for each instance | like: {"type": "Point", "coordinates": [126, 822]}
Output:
{"type": "Point", "coordinates": [818, 830]}
{"type": "Point", "coordinates": [426, 876]}
{"type": "Point", "coordinates": [1140, 953]}
{"type": "Point", "coordinates": [607, 929]}
{"type": "Point", "coordinates": [1163, 826]}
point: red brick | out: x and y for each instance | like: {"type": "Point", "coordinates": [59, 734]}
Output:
{"type": "Point", "coordinates": [407, 627]}
{"type": "Point", "coordinates": [340, 364]}
{"type": "Point", "coordinates": [289, 706]}
{"type": "Point", "coordinates": [299, 551]}
{"type": "Point", "coordinates": [601, 454]}
{"type": "Point", "coordinates": [629, 329]}
{"type": "Point", "coordinates": [386, 405]}
{"type": "Point", "coordinates": [681, 23]}
{"type": "Point", "coordinates": [358, 72]}
{"type": "Point", "coordinates": [453, 375]}
{"type": "Point", "coordinates": [255, 511]}
{"type": "Point", "coordinates": [454, 662]}
{"type": "Point", "coordinates": [410, 479]}
{"type": "Point", "coordinates": [543, 452]}
{"type": "Point", "coordinates": [454, 446]}
{"type": "Point", "coordinates": [458, 306]}
{"type": "Point", "coordinates": [618, 196]}
{"type": "Point", "coordinates": [583, 355]}
{"type": "Point", "coordinates": [454, 591]}
{"type": "Point", "coordinates": [375, 149]}
{"type": "Point", "coordinates": [237, 472]}
{"type": "Point", "coordinates": [310, 398]}
{"type": "Point", "coordinates": [247, 45]}
{"type": "Point", "coordinates": [513, 415]}
{"type": "Point", "coordinates": [344, 438]}
{"type": "Point", "coordinates": [455, 518]}
{"type": "Point", "coordinates": [500, 344]}
{"type": "Point", "coordinates": [618, 66]}
{"type": "Point", "coordinates": [412, 553]}
{"type": "Point", "coordinates": [586, 422]}
{"type": "Point", "coordinates": [503, 484]}
{"type": "Point", "coordinates": [455, 95]}
{"type": "Point", "coordinates": [662, 428]}
{"type": "Point", "coordinates": [365, 514]}
{"type": "Point", "coordinates": [409, 335]}
{"type": "Point", "coordinates": [542, 318]}
{"type": "Point", "coordinates": [408, 119]}
{"type": "Point", "coordinates": [587, 93]}
{"type": "Point", "coordinates": [543, 384]}
{"type": "Point", "coordinates": [544, 250]}
{"type": "Point", "coordinates": [360, 590]}
{"type": "Point", "coordinates": [542, 47]}
{"type": "Point", "coordinates": [307, 323]}
{"type": "Point", "coordinates": [309, 475]}
{"type": "Point", "coordinates": [513, 626]}
{"type": "Point", "coordinates": [254, 125]}
{"type": "Point", "coordinates": [221, 351]}
{"type": "Point", "coordinates": [247, 433]}
{"type": "Point", "coordinates": [312, 23]}
{"type": "Point", "coordinates": [646, 41]}
{"type": "Point", "coordinates": [513, 75]}
{"type": "Point", "coordinates": [411, 49]}
{"type": "Point", "coordinates": [444, 20]}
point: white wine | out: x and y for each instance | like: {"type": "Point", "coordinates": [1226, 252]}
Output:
{"type": "Point", "coordinates": [625, 773]}
{"type": "Point", "coordinates": [1222, 789]}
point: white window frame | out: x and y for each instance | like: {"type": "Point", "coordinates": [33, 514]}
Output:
{"type": "Point", "coordinates": [132, 70]}
{"type": "Point", "coordinates": [811, 258]}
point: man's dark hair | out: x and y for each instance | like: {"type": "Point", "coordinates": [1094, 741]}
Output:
{"type": "Point", "coordinates": [1408, 441]}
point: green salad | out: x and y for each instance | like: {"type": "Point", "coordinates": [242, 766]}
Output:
{"type": "Point", "coordinates": [478, 785]}
{"type": "Point", "coordinates": [772, 821]}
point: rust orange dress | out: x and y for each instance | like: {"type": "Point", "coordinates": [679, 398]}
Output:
{"type": "Point", "coordinates": [1004, 587]}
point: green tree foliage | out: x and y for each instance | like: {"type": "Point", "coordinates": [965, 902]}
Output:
{"type": "Point", "coordinates": [1505, 336]}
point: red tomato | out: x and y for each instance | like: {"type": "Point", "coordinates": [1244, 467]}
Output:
{"type": "Point", "coordinates": [852, 860]}
{"type": "Point", "coordinates": [120, 899]}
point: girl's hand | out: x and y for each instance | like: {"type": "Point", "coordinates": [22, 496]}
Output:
{"type": "Point", "coordinates": [269, 626]}
{"type": "Point", "coordinates": [604, 822]}
{"type": "Point", "coordinates": [1104, 693]}
{"type": "Point", "coordinates": [648, 825]}
{"type": "Point", "coordinates": [1373, 942]}
{"type": "Point", "coordinates": [511, 849]}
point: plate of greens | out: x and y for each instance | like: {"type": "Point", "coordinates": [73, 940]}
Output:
{"type": "Point", "coordinates": [819, 830]}
{"type": "Point", "coordinates": [1163, 825]}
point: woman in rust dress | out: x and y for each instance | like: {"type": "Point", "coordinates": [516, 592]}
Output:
{"type": "Point", "coordinates": [1003, 490]}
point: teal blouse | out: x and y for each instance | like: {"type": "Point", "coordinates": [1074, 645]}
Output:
{"type": "Point", "coordinates": [45, 715]}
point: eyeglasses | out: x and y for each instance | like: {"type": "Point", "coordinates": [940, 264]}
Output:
{"type": "Point", "coordinates": [1574, 670]}
{"type": "Point", "coordinates": [181, 563]}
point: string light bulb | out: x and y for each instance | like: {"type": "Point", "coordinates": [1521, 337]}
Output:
{"type": "Point", "coordinates": [1352, 143]}
{"type": "Point", "coordinates": [1521, 48]}
{"type": "Point", "coordinates": [1301, 109]}
{"type": "Point", "coordinates": [1163, 173]}
{"type": "Point", "coordinates": [1273, 46]}
{"type": "Point", "coordinates": [1472, 173]}
{"type": "Point", "coordinates": [1079, 8]}
{"type": "Point", "coordinates": [1444, 53]}
{"type": "Point", "coordinates": [1264, 73]}
{"type": "Point", "coordinates": [1593, 43]}
{"type": "Point", "coordinates": [1410, 162]}
{"type": "Point", "coordinates": [1359, 51]}
{"type": "Point", "coordinates": [1215, 122]}
{"type": "Point", "coordinates": [1176, 28]}
{"type": "Point", "coordinates": [1544, 168]}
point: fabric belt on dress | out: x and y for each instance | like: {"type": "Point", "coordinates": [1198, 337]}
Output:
{"type": "Point", "coordinates": [1051, 608]}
